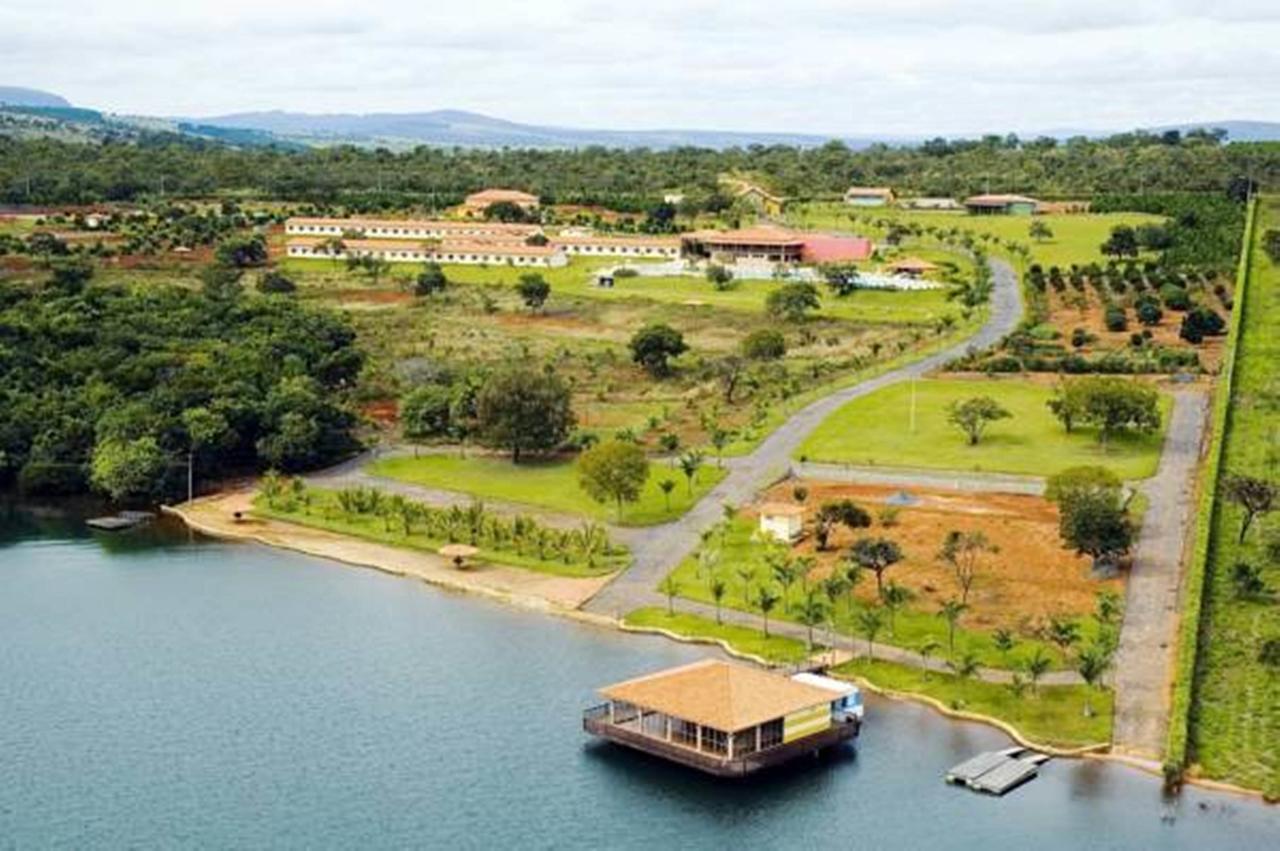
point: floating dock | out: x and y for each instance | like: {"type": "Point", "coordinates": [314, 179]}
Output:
{"type": "Point", "coordinates": [997, 772]}
{"type": "Point", "coordinates": [120, 522]}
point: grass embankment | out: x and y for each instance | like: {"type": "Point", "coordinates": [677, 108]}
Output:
{"type": "Point", "coordinates": [874, 430]}
{"type": "Point", "coordinates": [1234, 730]}
{"type": "Point", "coordinates": [1050, 715]}
{"type": "Point", "coordinates": [552, 485]}
{"type": "Point", "coordinates": [738, 550]}
{"type": "Point", "coordinates": [325, 513]}
{"type": "Point", "coordinates": [777, 649]}
{"type": "Point", "coordinates": [578, 278]}
{"type": "Point", "coordinates": [1076, 236]}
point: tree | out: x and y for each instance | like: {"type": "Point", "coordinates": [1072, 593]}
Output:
{"type": "Point", "coordinates": [614, 470]}
{"type": "Point", "coordinates": [507, 211]}
{"type": "Point", "coordinates": [1247, 580]}
{"type": "Point", "coordinates": [1073, 481]}
{"type": "Point", "coordinates": [1063, 632]}
{"type": "Point", "coordinates": [718, 587]}
{"type": "Point", "coordinates": [1148, 310]}
{"type": "Point", "coordinates": [533, 290]}
{"type": "Point", "coordinates": [1094, 523]}
{"type": "Point", "coordinates": [242, 252]}
{"type": "Point", "coordinates": [666, 486]}
{"type": "Point", "coordinates": [71, 276]}
{"type": "Point", "coordinates": [524, 410]}
{"type": "Point", "coordinates": [764, 344]}
{"type": "Point", "coordinates": [1200, 322]}
{"type": "Point", "coordinates": [653, 347]}
{"type": "Point", "coordinates": [670, 586]}
{"type": "Point", "coordinates": [1123, 242]}
{"type": "Point", "coordinates": [1039, 231]}
{"type": "Point", "coordinates": [1254, 495]}
{"type": "Point", "coordinates": [964, 667]}
{"type": "Point", "coordinates": [842, 278]}
{"type": "Point", "coordinates": [1004, 641]}
{"type": "Point", "coordinates": [1068, 404]}
{"type": "Point", "coordinates": [926, 650]}
{"type": "Point", "coordinates": [128, 470]}
{"type": "Point", "coordinates": [870, 621]}
{"type": "Point", "coordinates": [1037, 665]}
{"type": "Point", "coordinates": [973, 415]}
{"type": "Point", "coordinates": [832, 513]}
{"type": "Point", "coordinates": [876, 555]}
{"type": "Point", "coordinates": [690, 462]}
{"type": "Point", "coordinates": [812, 612]}
{"type": "Point", "coordinates": [430, 280]}
{"type": "Point", "coordinates": [720, 277]}
{"type": "Point", "coordinates": [720, 439]}
{"type": "Point", "coordinates": [950, 612]}
{"type": "Point", "coordinates": [792, 302]}
{"type": "Point", "coordinates": [1091, 664]}
{"type": "Point", "coordinates": [205, 430]}
{"type": "Point", "coordinates": [1115, 405]}
{"type": "Point", "coordinates": [766, 600]}
{"type": "Point", "coordinates": [370, 266]}
{"type": "Point", "coordinates": [275, 282]}
{"type": "Point", "coordinates": [425, 411]}
{"type": "Point", "coordinates": [895, 596]}
{"type": "Point", "coordinates": [963, 552]}
{"type": "Point", "coordinates": [219, 282]}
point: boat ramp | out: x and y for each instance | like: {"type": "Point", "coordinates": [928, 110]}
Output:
{"type": "Point", "coordinates": [997, 772]}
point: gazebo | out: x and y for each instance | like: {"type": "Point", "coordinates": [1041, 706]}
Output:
{"type": "Point", "coordinates": [458, 553]}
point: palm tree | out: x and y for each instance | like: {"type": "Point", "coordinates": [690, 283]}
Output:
{"type": "Point", "coordinates": [812, 612]}
{"type": "Point", "coordinates": [666, 486]}
{"type": "Point", "coordinates": [1064, 633]}
{"type": "Point", "coordinates": [1037, 666]}
{"type": "Point", "coordinates": [950, 612]}
{"type": "Point", "coordinates": [870, 621]}
{"type": "Point", "coordinates": [689, 464]}
{"type": "Point", "coordinates": [966, 666]}
{"type": "Point", "coordinates": [785, 571]}
{"type": "Point", "coordinates": [1005, 643]}
{"type": "Point", "coordinates": [747, 574]}
{"type": "Point", "coordinates": [1091, 664]}
{"type": "Point", "coordinates": [927, 648]}
{"type": "Point", "coordinates": [766, 600]}
{"type": "Point", "coordinates": [853, 575]}
{"type": "Point", "coordinates": [671, 587]}
{"type": "Point", "coordinates": [718, 588]}
{"type": "Point", "coordinates": [895, 597]}
{"type": "Point", "coordinates": [834, 586]}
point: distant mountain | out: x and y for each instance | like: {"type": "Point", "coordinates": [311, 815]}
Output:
{"type": "Point", "coordinates": [1237, 131]}
{"type": "Point", "coordinates": [449, 127]}
{"type": "Point", "coordinates": [17, 96]}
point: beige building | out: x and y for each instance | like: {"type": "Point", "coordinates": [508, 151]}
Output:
{"type": "Point", "coordinates": [618, 246]}
{"type": "Point", "coordinates": [406, 228]}
{"type": "Point", "coordinates": [477, 202]}
{"type": "Point", "coordinates": [463, 251]}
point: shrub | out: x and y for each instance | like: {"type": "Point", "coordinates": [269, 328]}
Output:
{"type": "Point", "coordinates": [1116, 319]}
{"type": "Point", "coordinates": [764, 344]}
{"type": "Point", "coordinates": [274, 282]}
{"type": "Point", "coordinates": [49, 478]}
{"type": "Point", "coordinates": [1148, 311]}
{"type": "Point", "coordinates": [1175, 297]}
{"type": "Point", "coordinates": [625, 272]}
{"type": "Point", "coordinates": [1200, 322]}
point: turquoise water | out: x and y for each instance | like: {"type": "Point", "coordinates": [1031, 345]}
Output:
{"type": "Point", "coordinates": [158, 691]}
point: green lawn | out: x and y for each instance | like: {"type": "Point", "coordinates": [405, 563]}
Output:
{"type": "Point", "coordinates": [736, 548]}
{"type": "Point", "coordinates": [578, 279]}
{"type": "Point", "coordinates": [549, 484]}
{"type": "Point", "coordinates": [774, 648]}
{"type": "Point", "coordinates": [1051, 715]}
{"type": "Point", "coordinates": [875, 430]}
{"type": "Point", "coordinates": [1076, 237]}
{"type": "Point", "coordinates": [1235, 718]}
{"type": "Point", "coordinates": [324, 513]}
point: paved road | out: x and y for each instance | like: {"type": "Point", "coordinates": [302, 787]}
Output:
{"type": "Point", "coordinates": [661, 547]}
{"type": "Point", "coordinates": [1148, 640]}
{"type": "Point", "coordinates": [919, 478]}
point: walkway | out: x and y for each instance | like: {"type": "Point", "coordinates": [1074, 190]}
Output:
{"type": "Point", "coordinates": [1148, 638]}
{"type": "Point", "coordinates": [661, 547]}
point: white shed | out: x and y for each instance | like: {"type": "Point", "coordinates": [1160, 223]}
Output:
{"type": "Point", "coordinates": [783, 520]}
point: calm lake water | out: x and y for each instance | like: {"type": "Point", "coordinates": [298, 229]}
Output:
{"type": "Point", "coordinates": [160, 691]}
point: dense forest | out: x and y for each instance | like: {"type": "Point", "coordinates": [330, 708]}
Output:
{"type": "Point", "coordinates": [113, 387]}
{"type": "Point", "coordinates": [46, 171]}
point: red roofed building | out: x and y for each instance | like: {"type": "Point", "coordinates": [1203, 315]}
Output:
{"type": "Point", "coordinates": [823, 248]}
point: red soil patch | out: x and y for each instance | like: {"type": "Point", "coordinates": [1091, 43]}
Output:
{"type": "Point", "coordinates": [385, 411]}
{"type": "Point", "coordinates": [1066, 318]}
{"type": "Point", "coordinates": [1031, 578]}
{"type": "Point", "coordinates": [373, 297]}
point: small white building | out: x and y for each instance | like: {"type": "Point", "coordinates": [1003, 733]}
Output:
{"type": "Point", "coordinates": [782, 520]}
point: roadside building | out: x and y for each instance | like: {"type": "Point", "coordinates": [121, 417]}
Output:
{"type": "Point", "coordinates": [407, 228]}
{"type": "Point", "coordinates": [783, 521]}
{"type": "Point", "coordinates": [477, 203]}
{"type": "Point", "coordinates": [1001, 205]}
{"type": "Point", "coordinates": [462, 251]}
{"type": "Point", "coordinates": [868, 196]}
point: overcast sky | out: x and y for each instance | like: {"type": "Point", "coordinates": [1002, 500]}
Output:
{"type": "Point", "coordinates": [839, 66]}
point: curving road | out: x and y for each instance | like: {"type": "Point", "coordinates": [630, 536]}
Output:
{"type": "Point", "coordinates": [657, 548]}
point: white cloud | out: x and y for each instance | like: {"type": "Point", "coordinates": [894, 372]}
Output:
{"type": "Point", "coordinates": [847, 66]}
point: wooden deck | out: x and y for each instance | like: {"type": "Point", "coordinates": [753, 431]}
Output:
{"type": "Point", "coordinates": [597, 724]}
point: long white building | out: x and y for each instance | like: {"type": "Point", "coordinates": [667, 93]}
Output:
{"type": "Point", "coordinates": [406, 228]}
{"type": "Point", "coordinates": [463, 251]}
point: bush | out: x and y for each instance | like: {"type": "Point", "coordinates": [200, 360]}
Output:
{"type": "Point", "coordinates": [50, 478]}
{"type": "Point", "coordinates": [625, 272]}
{"type": "Point", "coordinates": [1175, 297]}
{"type": "Point", "coordinates": [275, 282]}
{"type": "Point", "coordinates": [1148, 310]}
{"type": "Point", "coordinates": [764, 344]}
{"type": "Point", "coordinates": [1116, 319]}
{"type": "Point", "coordinates": [1200, 322]}
{"type": "Point", "coordinates": [430, 280]}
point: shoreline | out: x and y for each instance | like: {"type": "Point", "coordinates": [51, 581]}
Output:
{"type": "Point", "coordinates": [363, 556]}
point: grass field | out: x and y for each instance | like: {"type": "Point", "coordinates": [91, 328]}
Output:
{"type": "Point", "coordinates": [774, 648]}
{"type": "Point", "coordinates": [578, 279]}
{"type": "Point", "coordinates": [1235, 718]}
{"type": "Point", "coordinates": [1076, 237]}
{"type": "Point", "coordinates": [738, 550]}
{"type": "Point", "coordinates": [875, 430]}
{"type": "Point", "coordinates": [1051, 715]}
{"type": "Point", "coordinates": [323, 513]}
{"type": "Point", "coordinates": [551, 485]}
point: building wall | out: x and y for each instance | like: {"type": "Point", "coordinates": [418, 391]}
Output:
{"type": "Point", "coordinates": [619, 250]}
{"type": "Point", "coordinates": [867, 201]}
{"type": "Point", "coordinates": [806, 722]}
{"type": "Point", "coordinates": [444, 255]}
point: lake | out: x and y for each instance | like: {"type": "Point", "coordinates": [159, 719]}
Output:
{"type": "Point", "coordinates": [161, 690]}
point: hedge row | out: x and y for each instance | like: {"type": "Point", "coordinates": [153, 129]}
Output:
{"type": "Point", "coordinates": [1175, 759]}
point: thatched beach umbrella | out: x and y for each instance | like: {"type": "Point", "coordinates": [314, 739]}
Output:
{"type": "Point", "coordinates": [458, 553]}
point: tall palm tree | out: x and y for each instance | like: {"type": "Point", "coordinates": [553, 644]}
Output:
{"type": "Point", "coordinates": [1037, 666]}
{"type": "Point", "coordinates": [964, 667]}
{"type": "Point", "coordinates": [766, 600]}
{"type": "Point", "coordinates": [1091, 664]}
{"type": "Point", "coordinates": [812, 612]}
{"type": "Point", "coordinates": [870, 621]}
{"type": "Point", "coordinates": [927, 648]}
{"type": "Point", "coordinates": [718, 588]}
{"type": "Point", "coordinates": [950, 612]}
{"type": "Point", "coordinates": [895, 597]}
{"type": "Point", "coordinates": [671, 587]}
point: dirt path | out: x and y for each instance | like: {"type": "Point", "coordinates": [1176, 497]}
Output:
{"type": "Point", "coordinates": [661, 547]}
{"type": "Point", "coordinates": [1148, 639]}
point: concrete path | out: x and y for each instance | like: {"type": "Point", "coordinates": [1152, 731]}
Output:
{"type": "Point", "coordinates": [1148, 639]}
{"type": "Point", "coordinates": [919, 478]}
{"type": "Point", "coordinates": [661, 547]}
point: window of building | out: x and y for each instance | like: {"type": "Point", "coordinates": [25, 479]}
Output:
{"type": "Point", "coordinates": [715, 741]}
{"type": "Point", "coordinates": [771, 733]}
{"type": "Point", "coordinates": [683, 732]}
